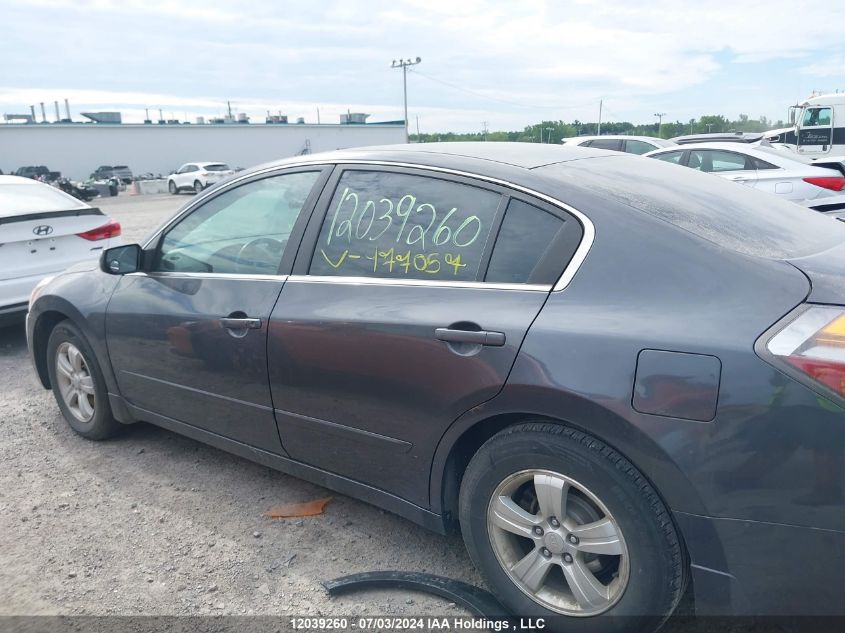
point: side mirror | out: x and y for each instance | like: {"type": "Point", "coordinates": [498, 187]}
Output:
{"type": "Point", "coordinates": [121, 260]}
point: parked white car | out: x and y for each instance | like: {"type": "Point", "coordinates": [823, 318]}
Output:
{"type": "Point", "coordinates": [42, 232]}
{"type": "Point", "coordinates": [621, 143]}
{"type": "Point", "coordinates": [762, 167]}
{"type": "Point", "coordinates": [197, 176]}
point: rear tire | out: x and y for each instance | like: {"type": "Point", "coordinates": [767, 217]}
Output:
{"type": "Point", "coordinates": [614, 551]}
{"type": "Point", "coordinates": [78, 383]}
{"type": "Point", "coordinates": [171, 186]}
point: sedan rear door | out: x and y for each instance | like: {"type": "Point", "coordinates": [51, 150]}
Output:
{"type": "Point", "coordinates": [411, 296]}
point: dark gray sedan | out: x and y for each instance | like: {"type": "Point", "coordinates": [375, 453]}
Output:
{"type": "Point", "coordinates": [615, 377]}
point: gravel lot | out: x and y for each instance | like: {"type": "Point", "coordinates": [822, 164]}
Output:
{"type": "Point", "coordinates": [155, 523]}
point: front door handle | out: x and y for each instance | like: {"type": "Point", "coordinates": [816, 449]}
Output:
{"type": "Point", "coordinates": [234, 323]}
{"type": "Point", "coordinates": [478, 337]}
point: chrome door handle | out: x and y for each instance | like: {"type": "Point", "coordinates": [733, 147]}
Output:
{"type": "Point", "coordinates": [478, 337]}
{"type": "Point", "coordinates": [231, 323]}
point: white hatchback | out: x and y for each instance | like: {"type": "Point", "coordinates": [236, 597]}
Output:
{"type": "Point", "coordinates": [42, 232]}
{"type": "Point", "coordinates": [197, 176]}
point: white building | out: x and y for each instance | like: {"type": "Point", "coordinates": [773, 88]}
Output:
{"type": "Point", "coordinates": [77, 149]}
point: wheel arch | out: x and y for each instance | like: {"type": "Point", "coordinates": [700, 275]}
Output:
{"type": "Point", "coordinates": [466, 435]}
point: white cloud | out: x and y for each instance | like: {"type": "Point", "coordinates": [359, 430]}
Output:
{"type": "Point", "coordinates": [516, 62]}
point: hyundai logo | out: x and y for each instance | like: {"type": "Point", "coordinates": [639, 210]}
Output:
{"type": "Point", "coordinates": [43, 229]}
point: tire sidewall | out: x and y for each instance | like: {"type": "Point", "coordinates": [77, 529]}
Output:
{"type": "Point", "coordinates": [171, 185]}
{"type": "Point", "coordinates": [102, 424]}
{"type": "Point", "coordinates": [647, 597]}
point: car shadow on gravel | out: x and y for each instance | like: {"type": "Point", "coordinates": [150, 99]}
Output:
{"type": "Point", "coordinates": [12, 339]}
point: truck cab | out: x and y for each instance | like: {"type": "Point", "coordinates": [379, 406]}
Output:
{"type": "Point", "coordinates": [820, 125]}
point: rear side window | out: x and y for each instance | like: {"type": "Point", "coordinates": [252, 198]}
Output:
{"type": "Point", "coordinates": [533, 246]}
{"type": "Point", "coordinates": [633, 146]}
{"type": "Point", "coordinates": [716, 161]}
{"type": "Point", "coordinates": [670, 157]}
{"type": "Point", "coordinates": [404, 226]}
{"type": "Point", "coordinates": [761, 164]}
{"type": "Point", "coordinates": [217, 167]}
{"type": "Point", "coordinates": [606, 143]}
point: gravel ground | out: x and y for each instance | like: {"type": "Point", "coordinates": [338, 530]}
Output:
{"type": "Point", "coordinates": [154, 523]}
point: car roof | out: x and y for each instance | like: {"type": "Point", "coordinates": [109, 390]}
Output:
{"type": "Point", "coordinates": [730, 137]}
{"type": "Point", "coordinates": [613, 137]}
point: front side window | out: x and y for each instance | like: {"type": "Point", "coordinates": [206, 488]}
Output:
{"type": "Point", "coordinates": [814, 117]}
{"type": "Point", "coordinates": [533, 246]}
{"type": "Point", "coordinates": [242, 231]}
{"type": "Point", "coordinates": [633, 146]}
{"type": "Point", "coordinates": [670, 157]}
{"type": "Point", "coordinates": [404, 226]}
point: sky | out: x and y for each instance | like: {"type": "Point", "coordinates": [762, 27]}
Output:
{"type": "Point", "coordinates": [501, 64]}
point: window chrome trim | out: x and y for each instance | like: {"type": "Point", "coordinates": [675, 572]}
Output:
{"type": "Point", "coordinates": [563, 281]}
{"type": "Point", "coordinates": [429, 283]}
{"type": "Point", "coordinates": [163, 274]}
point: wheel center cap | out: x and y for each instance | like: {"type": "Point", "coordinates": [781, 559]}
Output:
{"type": "Point", "coordinates": [554, 542]}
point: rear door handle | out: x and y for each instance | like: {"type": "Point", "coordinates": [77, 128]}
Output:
{"type": "Point", "coordinates": [478, 337]}
{"type": "Point", "coordinates": [231, 323]}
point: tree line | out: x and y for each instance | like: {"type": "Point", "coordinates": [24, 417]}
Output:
{"type": "Point", "coordinates": [555, 131]}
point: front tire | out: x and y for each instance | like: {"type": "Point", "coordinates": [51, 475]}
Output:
{"type": "Point", "coordinates": [563, 527]}
{"type": "Point", "coordinates": [78, 383]}
{"type": "Point", "coordinates": [198, 187]}
{"type": "Point", "coordinates": [171, 186]}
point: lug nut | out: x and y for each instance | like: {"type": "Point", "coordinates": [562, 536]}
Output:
{"type": "Point", "coordinates": [573, 539]}
{"type": "Point", "coordinates": [538, 530]}
{"type": "Point", "coordinates": [567, 558]}
{"type": "Point", "coordinates": [554, 522]}
{"type": "Point", "coordinates": [546, 553]}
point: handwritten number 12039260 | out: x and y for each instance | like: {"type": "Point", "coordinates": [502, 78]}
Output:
{"type": "Point", "coordinates": [375, 219]}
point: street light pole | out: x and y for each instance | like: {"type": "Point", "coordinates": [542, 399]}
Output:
{"type": "Point", "coordinates": [403, 64]}
{"type": "Point", "coordinates": [659, 116]}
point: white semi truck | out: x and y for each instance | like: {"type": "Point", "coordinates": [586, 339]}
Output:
{"type": "Point", "coordinates": [818, 127]}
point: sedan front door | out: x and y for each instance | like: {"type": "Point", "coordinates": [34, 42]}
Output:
{"type": "Point", "coordinates": [188, 336]}
{"type": "Point", "coordinates": [412, 298]}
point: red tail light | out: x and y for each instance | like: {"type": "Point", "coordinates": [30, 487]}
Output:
{"type": "Point", "coordinates": [814, 344]}
{"type": "Point", "coordinates": [834, 183]}
{"type": "Point", "coordinates": [104, 232]}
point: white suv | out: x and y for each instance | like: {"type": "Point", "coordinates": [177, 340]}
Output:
{"type": "Point", "coordinates": [197, 176]}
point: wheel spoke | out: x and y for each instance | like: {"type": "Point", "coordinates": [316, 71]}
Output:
{"type": "Point", "coordinates": [63, 365]}
{"type": "Point", "coordinates": [87, 385]}
{"type": "Point", "coordinates": [67, 392]}
{"type": "Point", "coordinates": [532, 570]}
{"type": "Point", "coordinates": [598, 537]}
{"type": "Point", "coordinates": [85, 406]}
{"type": "Point", "coordinates": [585, 587]}
{"type": "Point", "coordinates": [551, 495]}
{"type": "Point", "coordinates": [508, 516]}
{"type": "Point", "coordinates": [75, 358]}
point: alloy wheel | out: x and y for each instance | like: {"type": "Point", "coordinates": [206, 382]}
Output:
{"type": "Point", "coordinates": [76, 384]}
{"type": "Point", "coordinates": [558, 543]}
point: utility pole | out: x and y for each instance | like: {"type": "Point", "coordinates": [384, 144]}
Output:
{"type": "Point", "coordinates": [709, 127]}
{"type": "Point", "coordinates": [484, 130]}
{"type": "Point", "coordinates": [659, 116]}
{"type": "Point", "coordinates": [549, 136]}
{"type": "Point", "coordinates": [403, 64]}
{"type": "Point", "coordinates": [598, 131]}
{"type": "Point", "coordinates": [418, 127]}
